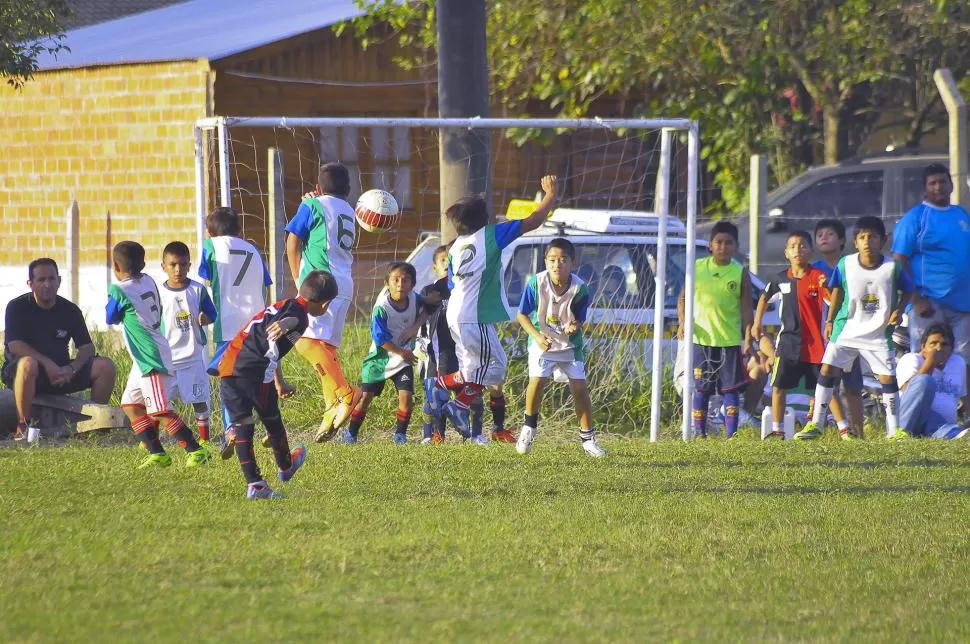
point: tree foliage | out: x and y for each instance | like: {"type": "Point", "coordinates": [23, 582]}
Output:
{"type": "Point", "coordinates": [799, 80]}
{"type": "Point", "coordinates": [29, 28]}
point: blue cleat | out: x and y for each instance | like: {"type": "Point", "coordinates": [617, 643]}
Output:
{"type": "Point", "coordinates": [297, 455]}
{"type": "Point", "coordinates": [400, 439]}
{"type": "Point", "coordinates": [260, 490]}
{"type": "Point", "coordinates": [348, 438]}
{"type": "Point", "coordinates": [458, 417]}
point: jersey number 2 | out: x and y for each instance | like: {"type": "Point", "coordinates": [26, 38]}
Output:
{"type": "Point", "coordinates": [466, 256]}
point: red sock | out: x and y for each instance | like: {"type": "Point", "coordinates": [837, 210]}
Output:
{"type": "Point", "coordinates": [202, 422]}
{"type": "Point", "coordinates": [146, 430]}
{"type": "Point", "coordinates": [177, 430]}
{"type": "Point", "coordinates": [453, 381]}
{"type": "Point", "coordinates": [469, 393]}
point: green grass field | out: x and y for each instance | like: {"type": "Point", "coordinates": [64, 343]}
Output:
{"type": "Point", "coordinates": [708, 540]}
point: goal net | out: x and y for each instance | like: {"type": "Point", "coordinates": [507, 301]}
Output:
{"type": "Point", "coordinates": [616, 176]}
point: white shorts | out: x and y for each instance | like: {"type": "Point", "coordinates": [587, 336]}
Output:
{"type": "Point", "coordinates": [881, 362]}
{"type": "Point", "coordinates": [329, 327]}
{"type": "Point", "coordinates": [481, 358]}
{"type": "Point", "coordinates": [153, 391]}
{"type": "Point", "coordinates": [541, 366]}
{"type": "Point", "coordinates": [192, 384]}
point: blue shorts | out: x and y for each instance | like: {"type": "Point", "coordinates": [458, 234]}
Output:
{"type": "Point", "coordinates": [852, 379]}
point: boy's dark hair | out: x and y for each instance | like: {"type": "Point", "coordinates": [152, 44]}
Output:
{"type": "Point", "coordinates": [439, 250]}
{"type": "Point", "coordinates": [41, 261]}
{"type": "Point", "coordinates": [223, 221]}
{"type": "Point", "coordinates": [565, 246]}
{"type": "Point", "coordinates": [130, 257]}
{"type": "Point", "coordinates": [318, 286]}
{"type": "Point", "coordinates": [334, 179]}
{"type": "Point", "coordinates": [402, 266]}
{"type": "Point", "coordinates": [470, 214]}
{"type": "Point", "coordinates": [832, 224]}
{"type": "Point", "coordinates": [935, 168]}
{"type": "Point", "coordinates": [177, 249]}
{"type": "Point", "coordinates": [871, 224]}
{"type": "Point", "coordinates": [724, 227]}
{"type": "Point", "coordinates": [801, 234]}
{"type": "Point", "coordinates": [937, 328]}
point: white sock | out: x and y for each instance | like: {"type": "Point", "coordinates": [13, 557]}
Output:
{"type": "Point", "coordinates": [823, 395]}
{"type": "Point", "coordinates": [775, 426]}
{"type": "Point", "coordinates": [891, 403]}
{"type": "Point", "coordinates": [842, 425]}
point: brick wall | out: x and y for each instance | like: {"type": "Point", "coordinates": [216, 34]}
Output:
{"type": "Point", "coordinates": [117, 139]}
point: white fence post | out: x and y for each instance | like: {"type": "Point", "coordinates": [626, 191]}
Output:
{"type": "Point", "coordinates": [73, 243]}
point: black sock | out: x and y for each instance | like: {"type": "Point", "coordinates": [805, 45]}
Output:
{"type": "Point", "coordinates": [181, 433]}
{"type": "Point", "coordinates": [245, 454]}
{"type": "Point", "coordinates": [497, 405]}
{"type": "Point", "coordinates": [532, 420]}
{"type": "Point", "coordinates": [279, 442]}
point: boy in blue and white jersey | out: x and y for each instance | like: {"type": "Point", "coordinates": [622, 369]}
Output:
{"type": "Point", "coordinates": [477, 299]}
{"type": "Point", "coordinates": [869, 292]}
{"type": "Point", "coordinates": [186, 309]}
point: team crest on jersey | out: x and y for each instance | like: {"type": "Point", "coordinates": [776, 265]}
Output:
{"type": "Point", "coordinates": [732, 286]}
{"type": "Point", "coordinates": [870, 303]}
{"type": "Point", "coordinates": [553, 322]}
{"type": "Point", "coordinates": [61, 334]}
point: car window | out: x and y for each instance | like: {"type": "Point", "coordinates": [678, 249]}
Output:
{"type": "Point", "coordinates": [524, 264]}
{"type": "Point", "coordinates": [912, 187]}
{"type": "Point", "coordinates": [842, 196]}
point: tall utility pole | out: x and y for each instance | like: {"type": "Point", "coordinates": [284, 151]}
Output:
{"type": "Point", "coordinates": [462, 92]}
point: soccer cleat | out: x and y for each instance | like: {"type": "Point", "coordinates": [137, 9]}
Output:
{"type": "Point", "coordinates": [779, 435]}
{"type": "Point", "coordinates": [265, 441]}
{"type": "Point", "coordinates": [479, 439]}
{"type": "Point", "coordinates": [526, 435]}
{"type": "Point", "coordinates": [899, 435]}
{"type": "Point", "coordinates": [846, 435]}
{"type": "Point", "coordinates": [809, 431]}
{"type": "Point", "coordinates": [427, 440]}
{"type": "Point", "coordinates": [198, 457]}
{"type": "Point", "coordinates": [327, 429]}
{"type": "Point", "coordinates": [207, 444]}
{"type": "Point", "coordinates": [437, 439]}
{"type": "Point", "coordinates": [229, 444]}
{"type": "Point", "coordinates": [297, 456]}
{"type": "Point", "coordinates": [458, 417]}
{"type": "Point", "coordinates": [400, 439]}
{"type": "Point", "coordinates": [156, 460]}
{"type": "Point", "coordinates": [21, 433]}
{"type": "Point", "coordinates": [502, 436]}
{"type": "Point", "coordinates": [593, 448]}
{"type": "Point", "coordinates": [348, 438]}
{"type": "Point", "coordinates": [260, 490]}
{"type": "Point", "coordinates": [963, 433]}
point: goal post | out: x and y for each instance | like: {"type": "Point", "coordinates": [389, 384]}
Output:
{"type": "Point", "coordinates": [607, 167]}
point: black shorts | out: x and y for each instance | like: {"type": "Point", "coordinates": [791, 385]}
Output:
{"type": "Point", "coordinates": [403, 380]}
{"type": "Point", "coordinates": [786, 374]}
{"type": "Point", "coordinates": [80, 381]}
{"type": "Point", "coordinates": [241, 396]}
{"type": "Point", "coordinates": [719, 368]}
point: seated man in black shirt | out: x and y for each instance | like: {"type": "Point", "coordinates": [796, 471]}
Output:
{"type": "Point", "coordinates": [39, 326]}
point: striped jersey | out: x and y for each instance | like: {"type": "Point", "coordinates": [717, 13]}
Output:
{"type": "Point", "coordinates": [327, 226]}
{"type": "Point", "coordinates": [388, 324]}
{"type": "Point", "coordinates": [475, 275]}
{"type": "Point", "coordinates": [135, 304]}
{"type": "Point", "coordinates": [251, 354]}
{"type": "Point", "coordinates": [180, 321]}
{"type": "Point", "coordinates": [870, 295]}
{"type": "Point", "coordinates": [551, 311]}
{"type": "Point", "coordinates": [237, 275]}
{"type": "Point", "coordinates": [434, 339]}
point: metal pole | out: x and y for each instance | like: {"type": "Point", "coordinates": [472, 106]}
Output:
{"type": "Point", "coordinates": [473, 122]}
{"type": "Point", "coordinates": [660, 289]}
{"type": "Point", "coordinates": [693, 167]}
{"type": "Point", "coordinates": [756, 210]}
{"type": "Point", "coordinates": [277, 222]}
{"type": "Point", "coordinates": [956, 108]}
{"type": "Point", "coordinates": [73, 243]}
{"type": "Point", "coordinates": [199, 192]}
{"type": "Point", "coordinates": [223, 163]}
{"type": "Point", "coordinates": [462, 91]}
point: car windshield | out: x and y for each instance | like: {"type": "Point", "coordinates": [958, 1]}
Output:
{"type": "Point", "coordinates": [619, 276]}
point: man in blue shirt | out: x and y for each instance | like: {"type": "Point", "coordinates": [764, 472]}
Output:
{"type": "Point", "coordinates": [932, 241]}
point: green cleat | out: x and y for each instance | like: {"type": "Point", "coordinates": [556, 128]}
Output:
{"type": "Point", "coordinates": [198, 457]}
{"type": "Point", "coordinates": [847, 435]}
{"type": "Point", "coordinates": [809, 432]}
{"type": "Point", "coordinates": [899, 435]}
{"type": "Point", "coordinates": [207, 444]}
{"type": "Point", "coordinates": [156, 460]}
{"type": "Point", "coordinates": [265, 441]}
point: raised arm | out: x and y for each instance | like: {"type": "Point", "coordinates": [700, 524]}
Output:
{"type": "Point", "coordinates": [550, 185]}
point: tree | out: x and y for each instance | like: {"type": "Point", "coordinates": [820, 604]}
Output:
{"type": "Point", "coordinates": [29, 28]}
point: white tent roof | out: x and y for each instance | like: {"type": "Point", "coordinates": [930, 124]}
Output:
{"type": "Point", "coordinates": [209, 29]}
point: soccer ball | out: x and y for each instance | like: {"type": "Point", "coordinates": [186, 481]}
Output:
{"type": "Point", "coordinates": [377, 211]}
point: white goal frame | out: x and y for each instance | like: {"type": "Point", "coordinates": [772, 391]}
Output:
{"type": "Point", "coordinates": [221, 125]}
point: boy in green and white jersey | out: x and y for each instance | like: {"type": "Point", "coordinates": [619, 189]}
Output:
{"type": "Point", "coordinates": [134, 303]}
{"type": "Point", "coordinates": [397, 316]}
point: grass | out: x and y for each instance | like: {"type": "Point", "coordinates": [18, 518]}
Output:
{"type": "Point", "coordinates": [701, 541]}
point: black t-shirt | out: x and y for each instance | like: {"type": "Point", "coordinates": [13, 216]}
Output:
{"type": "Point", "coordinates": [46, 331]}
{"type": "Point", "coordinates": [442, 358]}
{"type": "Point", "coordinates": [249, 355]}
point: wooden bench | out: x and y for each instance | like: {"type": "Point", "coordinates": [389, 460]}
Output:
{"type": "Point", "coordinates": [61, 416]}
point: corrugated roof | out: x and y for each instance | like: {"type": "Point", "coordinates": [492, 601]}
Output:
{"type": "Point", "coordinates": [210, 29]}
{"type": "Point", "coordinates": [91, 12]}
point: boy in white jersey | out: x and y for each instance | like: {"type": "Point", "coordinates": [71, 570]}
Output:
{"type": "Point", "coordinates": [321, 235]}
{"type": "Point", "coordinates": [552, 311]}
{"type": "Point", "coordinates": [186, 308]}
{"type": "Point", "coordinates": [869, 292]}
{"type": "Point", "coordinates": [134, 303]}
{"type": "Point", "coordinates": [396, 318]}
{"type": "Point", "coordinates": [477, 299]}
{"type": "Point", "coordinates": [238, 277]}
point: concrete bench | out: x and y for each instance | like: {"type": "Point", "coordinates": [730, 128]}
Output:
{"type": "Point", "coordinates": [61, 416]}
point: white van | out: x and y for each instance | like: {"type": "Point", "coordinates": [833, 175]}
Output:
{"type": "Point", "coordinates": [616, 255]}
